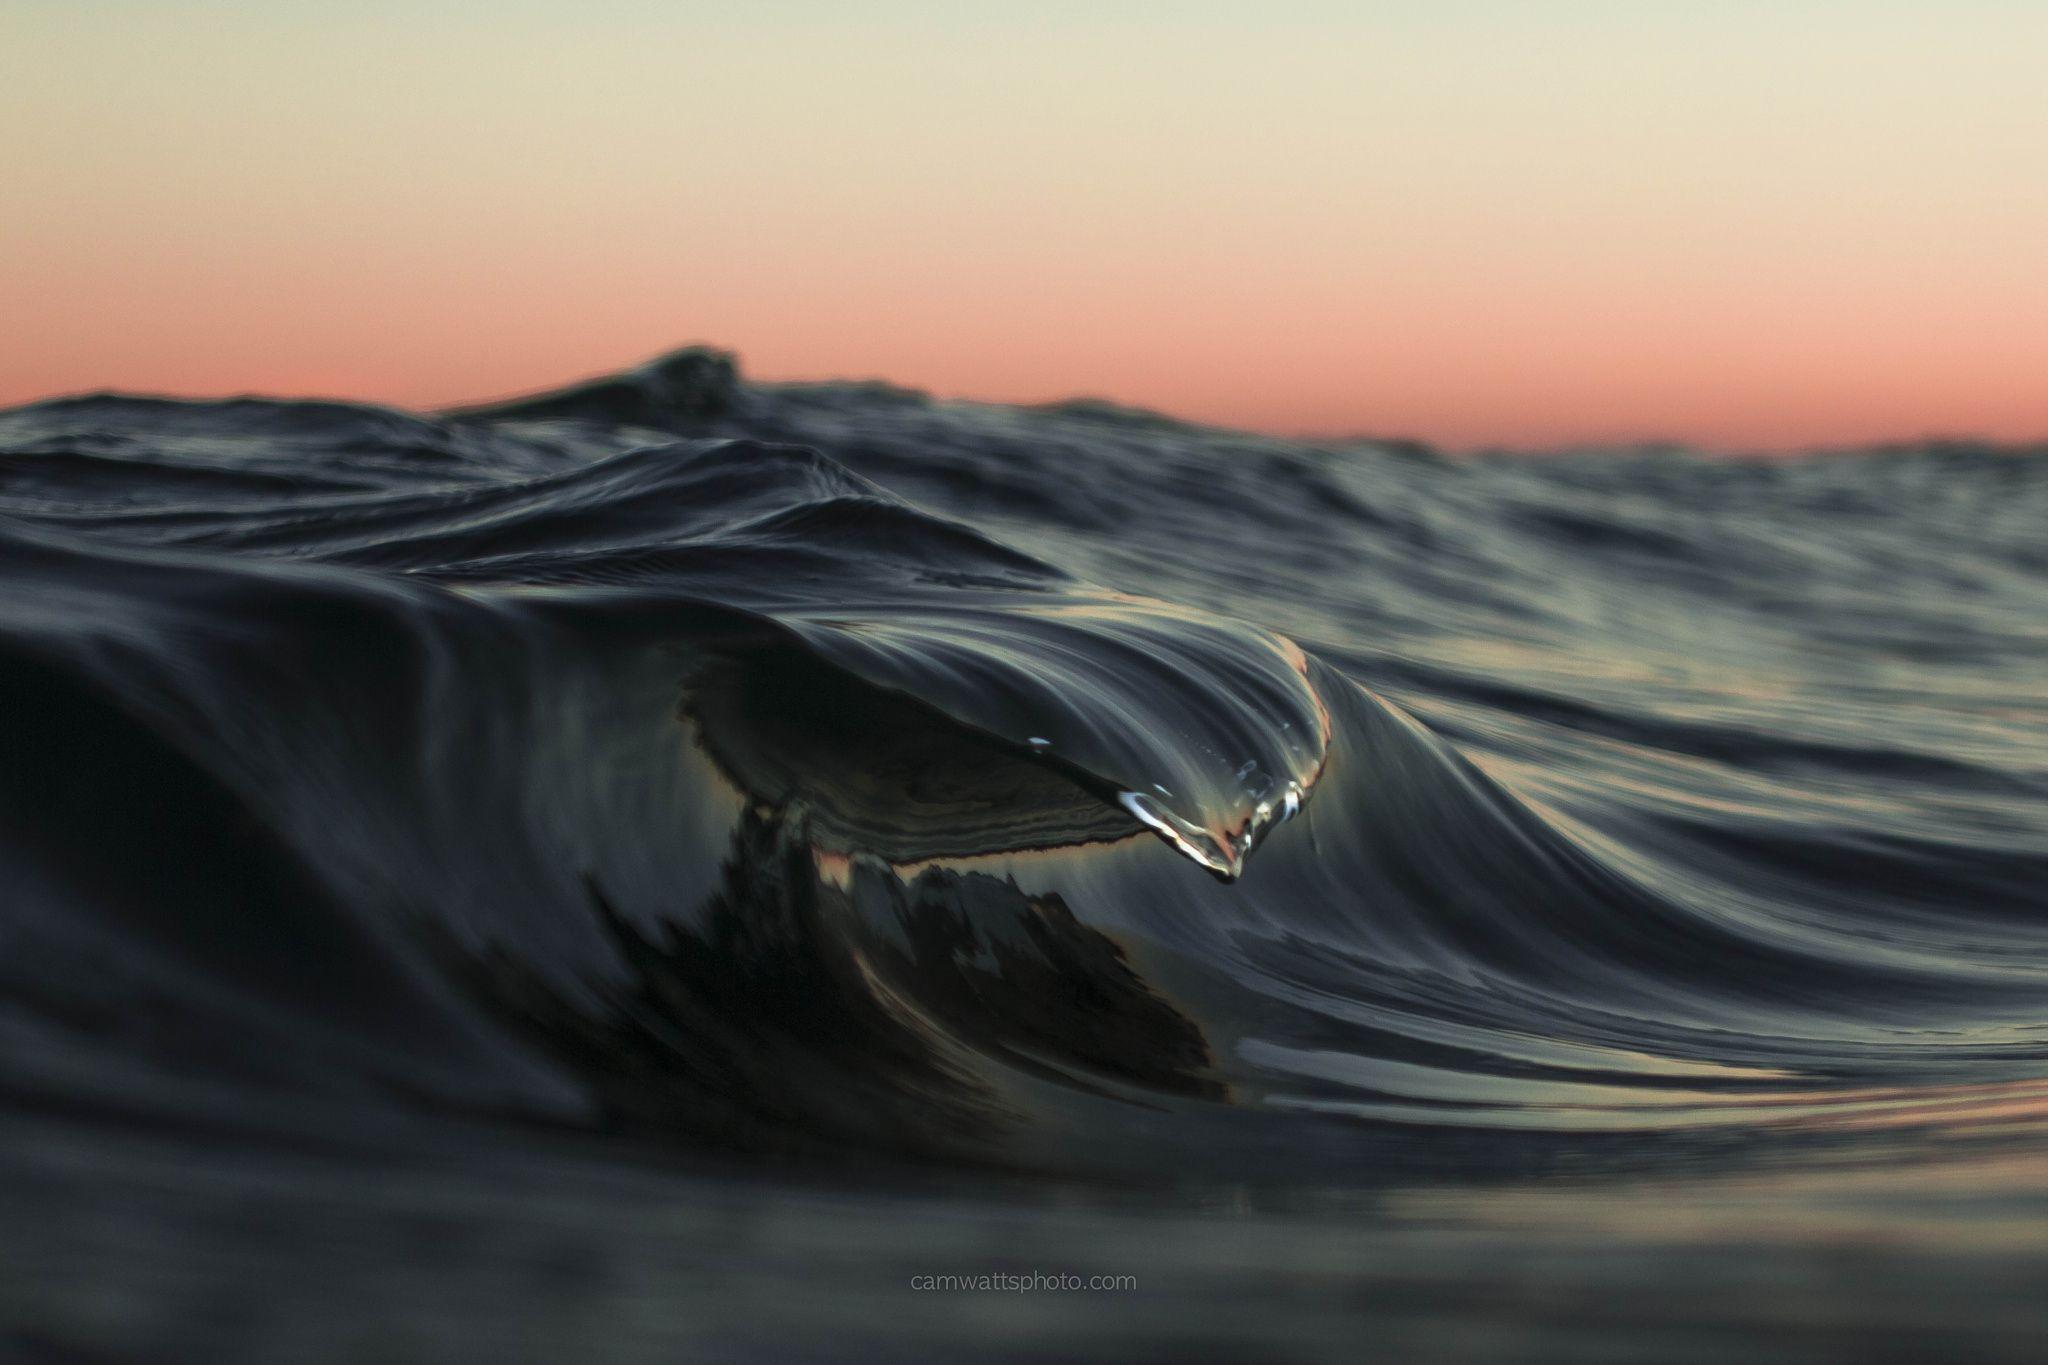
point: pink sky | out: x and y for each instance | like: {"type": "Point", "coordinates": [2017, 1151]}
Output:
{"type": "Point", "coordinates": [1742, 225]}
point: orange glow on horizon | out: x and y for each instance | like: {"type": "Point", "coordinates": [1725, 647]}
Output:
{"type": "Point", "coordinates": [1467, 223]}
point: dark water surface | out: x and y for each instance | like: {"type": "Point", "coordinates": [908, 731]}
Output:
{"type": "Point", "coordinates": [654, 870]}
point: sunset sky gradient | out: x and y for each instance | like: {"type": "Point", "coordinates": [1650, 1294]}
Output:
{"type": "Point", "coordinates": [1749, 225]}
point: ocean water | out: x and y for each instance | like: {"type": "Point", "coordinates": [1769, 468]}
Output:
{"type": "Point", "coordinates": [661, 868]}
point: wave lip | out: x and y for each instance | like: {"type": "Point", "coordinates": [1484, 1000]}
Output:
{"type": "Point", "coordinates": [1225, 857]}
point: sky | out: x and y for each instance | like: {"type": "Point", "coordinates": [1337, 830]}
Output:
{"type": "Point", "coordinates": [1741, 224]}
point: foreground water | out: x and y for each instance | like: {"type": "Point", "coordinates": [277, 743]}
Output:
{"type": "Point", "coordinates": [666, 864]}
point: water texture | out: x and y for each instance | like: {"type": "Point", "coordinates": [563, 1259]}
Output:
{"type": "Point", "coordinates": [711, 851]}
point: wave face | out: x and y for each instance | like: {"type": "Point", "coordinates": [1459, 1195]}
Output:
{"type": "Point", "coordinates": [825, 770]}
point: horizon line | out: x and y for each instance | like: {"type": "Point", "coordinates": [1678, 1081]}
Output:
{"type": "Point", "coordinates": [1615, 445]}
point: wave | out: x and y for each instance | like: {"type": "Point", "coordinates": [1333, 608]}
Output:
{"type": "Point", "coordinates": [825, 768]}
